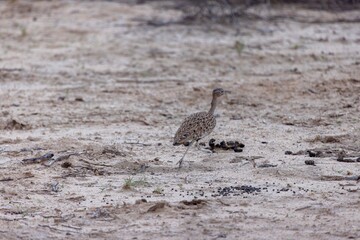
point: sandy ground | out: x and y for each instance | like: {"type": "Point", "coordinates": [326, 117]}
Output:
{"type": "Point", "coordinates": [94, 79]}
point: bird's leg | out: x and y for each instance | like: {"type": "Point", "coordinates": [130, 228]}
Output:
{"type": "Point", "coordinates": [202, 149]}
{"type": "Point", "coordinates": [197, 145]}
{"type": "Point", "coordinates": [182, 158]}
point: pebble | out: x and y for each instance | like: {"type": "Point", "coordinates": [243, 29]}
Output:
{"type": "Point", "coordinates": [310, 162]}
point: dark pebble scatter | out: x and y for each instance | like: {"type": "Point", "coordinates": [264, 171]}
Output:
{"type": "Point", "coordinates": [242, 191]}
{"type": "Point", "coordinates": [226, 191]}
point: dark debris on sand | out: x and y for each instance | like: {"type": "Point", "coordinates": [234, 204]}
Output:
{"type": "Point", "coordinates": [236, 146]}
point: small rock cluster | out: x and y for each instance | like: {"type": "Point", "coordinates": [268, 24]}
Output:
{"type": "Point", "coordinates": [226, 145]}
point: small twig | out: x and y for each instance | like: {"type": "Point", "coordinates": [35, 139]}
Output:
{"type": "Point", "coordinates": [339, 178]}
{"type": "Point", "coordinates": [149, 80]}
{"type": "Point", "coordinates": [61, 158]}
{"type": "Point", "coordinates": [266, 165]}
{"type": "Point", "coordinates": [349, 160]}
{"type": "Point", "coordinates": [11, 219]}
{"type": "Point", "coordinates": [138, 143]}
{"type": "Point", "coordinates": [96, 164]}
{"type": "Point", "coordinates": [57, 229]}
{"type": "Point", "coordinates": [73, 227]}
{"type": "Point", "coordinates": [223, 203]}
{"type": "Point", "coordinates": [42, 158]}
{"type": "Point", "coordinates": [347, 185]}
{"type": "Point", "coordinates": [302, 208]}
{"type": "Point", "coordinates": [7, 179]}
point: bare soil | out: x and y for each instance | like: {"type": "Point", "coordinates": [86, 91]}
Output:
{"type": "Point", "coordinates": [95, 79]}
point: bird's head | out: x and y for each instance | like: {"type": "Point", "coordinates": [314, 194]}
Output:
{"type": "Point", "coordinates": [218, 92]}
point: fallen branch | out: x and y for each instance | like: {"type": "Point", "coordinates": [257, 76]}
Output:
{"type": "Point", "coordinates": [40, 159]}
{"type": "Point", "coordinates": [61, 158]}
{"type": "Point", "coordinates": [57, 229]}
{"type": "Point", "coordinates": [6, 179]}
{"type": "Point", "coordinates": [96, 164]}
{"type": "Point", "coordinates": [303, 208]}
{"type": "Point", "coordinates": [266, 165]}
{"type": "Point", "coordinates": [349, 160]}
{"type": "Point", "coordinates": [138, 143]}
{"type": "Point", "coordinates": [73, 227]}
{"type": "Point", "coordinates": [340, 178]}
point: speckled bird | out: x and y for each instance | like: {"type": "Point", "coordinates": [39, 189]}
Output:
{"type": "Point", "coordinates": [197, 125]}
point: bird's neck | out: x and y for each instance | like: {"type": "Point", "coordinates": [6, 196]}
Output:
{"type": "Point", "coordinates": [213, 105]}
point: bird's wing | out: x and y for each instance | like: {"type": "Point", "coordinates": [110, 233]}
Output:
{"type": "Point", "coordinates": [196, 126]}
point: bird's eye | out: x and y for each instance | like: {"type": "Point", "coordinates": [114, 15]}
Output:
{"type": "Point", "coordinates": [185, 135]}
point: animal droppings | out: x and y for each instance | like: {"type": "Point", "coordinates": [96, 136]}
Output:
{"type": "Point", "coordinates": [226, 145]}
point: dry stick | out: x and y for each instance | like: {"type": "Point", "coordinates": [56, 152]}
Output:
{"type": "Point", "coordinates": [223, 203]}
{"type": "Point", "coordinates": [348, 160]}
{"type": "Point", "coordinates": [42, 158]}
{"type": "Point", "coordinates": [149, 81]}
{"type": "Point", "coordinates": [73, 227]}
{"type": "Point", "coordinates": [61, 158]}
{"type": "Point", "coordinates": [97, 164]}
{"type": "Point", "coordinates": [138, 143]}
{"type": "Point", "coordinates": [7, 179]}
{"type": "Point", "coordinates": [339, 178]}
{"type": "Point", "coordinates": [57, 229]}
{"type": "Point", "coordinates": [266, 165]}
{"type": "Point", "coordinates": [11, 219]}
{"type": "Point", "coordinates": [302, 208]}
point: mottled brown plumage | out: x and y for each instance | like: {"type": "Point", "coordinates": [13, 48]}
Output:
{"type": "Point", "coordinates": [197, 125]}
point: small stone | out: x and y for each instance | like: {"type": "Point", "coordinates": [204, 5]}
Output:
{"type": "Point", "coordinates": [66, 164]}
{"type": "Point", "coordinates": [222, 235]}
{"type": "Point", "coordinates": [212, 143]}
{"type": "Point", "coordinates": [238, 144]}
{"type": "Point", "coordinates": [224, 145]}
{"type": "Point", "coordinates": [238, 149]}
{"type": "Point", "coordinates": [310, 162]}
{"type": "Point", "coordinates": [142, 200]}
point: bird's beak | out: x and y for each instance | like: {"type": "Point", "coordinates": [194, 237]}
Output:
{"type": "Point", "coordinates": [226, 91]}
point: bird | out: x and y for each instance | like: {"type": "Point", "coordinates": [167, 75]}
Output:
{"type": "Point", "coordinates": [197, 125]}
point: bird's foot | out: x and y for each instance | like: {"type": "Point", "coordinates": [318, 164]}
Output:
{"type": "Point", "coordinates": [180, 163]}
